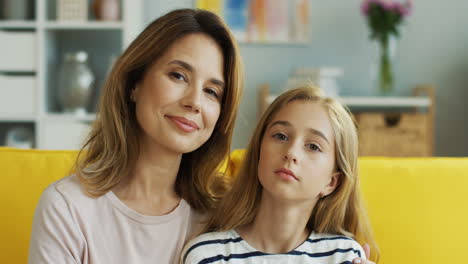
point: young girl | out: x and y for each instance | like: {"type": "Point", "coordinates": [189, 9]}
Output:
{"type": "Point", "coordinates": [296, 197]}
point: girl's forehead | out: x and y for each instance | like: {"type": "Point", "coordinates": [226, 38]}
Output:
{"type": "Point", "coordinates": [301, 110]}
{"type": "Point", "coordinates": [301, 114]}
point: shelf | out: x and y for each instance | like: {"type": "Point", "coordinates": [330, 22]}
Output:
{"type": "Point", "coordinates": [90, 25]}
{"type": "Point", "coordinates": [34, 50]}
{"type": "Point", "coordinates": [17, 24]}
{"type": "Point", "coordinates": [67, 117]}
{"type": "Point", "coordinates": [388, 102]}
{"type": "Point", "coordinates": [277, 44]}
{"type": "Point", "coordinates": [17, 118]}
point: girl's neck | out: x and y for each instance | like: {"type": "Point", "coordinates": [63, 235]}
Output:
{"type": "Point", "coordinates": [279, 226]}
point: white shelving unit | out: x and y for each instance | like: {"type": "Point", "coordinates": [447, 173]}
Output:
{"type": "Point", "coordinates": [379, 102]}
{"type": "Point", "coordinates": [52, 38]}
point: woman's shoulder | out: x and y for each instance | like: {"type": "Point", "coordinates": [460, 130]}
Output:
{"type": "Point", "coordinates": [68, 186]}
{"type": "Point", "coordinates": [64, 192]}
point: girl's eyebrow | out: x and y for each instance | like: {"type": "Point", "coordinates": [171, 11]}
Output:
{"type": "Point", "coordinates": [318, 133]}
{"type": "Point", "coordinates": [311, 130]}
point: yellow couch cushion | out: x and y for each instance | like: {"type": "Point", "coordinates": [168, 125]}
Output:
{"type": "Point", "coordinates": [418, 206]}
{"type": "Point", "coordinates": [24, 175]}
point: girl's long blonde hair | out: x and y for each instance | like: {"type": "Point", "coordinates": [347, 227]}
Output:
{"type": "Point", "coordinates": [112, 146]}
{"type": "Point", "coordinates": [341, 212]}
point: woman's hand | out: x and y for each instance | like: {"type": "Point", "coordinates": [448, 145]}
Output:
{"type": "Point", "coordinates": [361, 260]}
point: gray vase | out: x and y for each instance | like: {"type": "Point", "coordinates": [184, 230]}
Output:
{"type": "Point", "coordinates": [75, 82]}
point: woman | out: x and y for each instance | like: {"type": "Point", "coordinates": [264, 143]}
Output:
{"type": "Point", "coordinates": [146, 171]}
{"type": "Point", "coordinates": [296, 197]}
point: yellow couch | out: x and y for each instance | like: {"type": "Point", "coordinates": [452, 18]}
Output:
{"type": "Point", "coordinates": [418, 206]}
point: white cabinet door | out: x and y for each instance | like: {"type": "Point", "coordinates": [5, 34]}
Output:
{"type": "Point", "coordinates": [17, 95]}
{"type": "Point", "coordinates": [63, 134]}
{"type": "Point", "coordinates": [18, 51]}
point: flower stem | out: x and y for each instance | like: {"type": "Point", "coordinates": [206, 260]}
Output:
{"type": "Point", "coordinates": [386, 77]}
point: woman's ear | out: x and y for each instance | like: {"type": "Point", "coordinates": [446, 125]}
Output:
{"type": "Point", "coordinates": [134, 92]}
{"type": "Point", "coordinates": [335, 180]}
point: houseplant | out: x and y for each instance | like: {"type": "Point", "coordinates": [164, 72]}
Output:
{"type": "Point", "coordinates": [384, 18]}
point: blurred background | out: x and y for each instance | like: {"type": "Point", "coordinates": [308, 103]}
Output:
{"type": "Point", "coordinates": [54, 56]}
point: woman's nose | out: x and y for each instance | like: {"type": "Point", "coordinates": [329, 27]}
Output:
{"type": "Point", "coordinates": [192, 99]}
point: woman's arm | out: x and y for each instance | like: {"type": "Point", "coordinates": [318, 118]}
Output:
{"type": "Point", "coordinates": [55, 236]}
{"type": "Point", "coordinates": [363, 260]}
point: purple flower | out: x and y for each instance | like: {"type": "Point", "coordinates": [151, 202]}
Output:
{"type": "Point", "coordinates": [403, 9]}
{"type": "Point", "coordinates": [387, 5]}
{"type": "Point", "coordinates": [365, 6]}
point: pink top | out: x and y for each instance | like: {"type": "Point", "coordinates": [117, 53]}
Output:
{"type": "Point", "coordinates": [71, 227]}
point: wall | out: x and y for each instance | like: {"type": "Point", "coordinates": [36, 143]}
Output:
{"type": "Point", "coordinates": [433, 49]}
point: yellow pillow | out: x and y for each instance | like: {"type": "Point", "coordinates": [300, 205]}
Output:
{"type": "Point", "coordinates": [24, 176]}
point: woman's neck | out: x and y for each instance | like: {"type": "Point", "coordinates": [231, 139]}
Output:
{"type": "Point", "coordinates": [279, 226]}
{"type": "Point", "coordinates": [150, 188]}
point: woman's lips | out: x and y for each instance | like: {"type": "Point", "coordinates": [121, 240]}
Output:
{"type": "Point", "coordinates": [184, 124]}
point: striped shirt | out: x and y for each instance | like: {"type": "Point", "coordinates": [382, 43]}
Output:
{"type": "Point", "coordinates": [229, 247]}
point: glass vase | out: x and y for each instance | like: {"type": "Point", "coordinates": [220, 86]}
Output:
{"type": "Point", "coordinates": [386, 53]}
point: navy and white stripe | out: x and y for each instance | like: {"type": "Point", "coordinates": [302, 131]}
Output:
{"type": "Point", "coordinates": [229, 247]}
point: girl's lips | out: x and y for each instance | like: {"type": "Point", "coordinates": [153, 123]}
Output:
{"type": "Point", "coordinates": [184, 124]}
{"type": "Point", "coordinates": [286, 174]}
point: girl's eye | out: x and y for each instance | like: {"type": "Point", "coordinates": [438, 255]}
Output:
{"type": "Point", "coordinates": [178, 76]}
{"type": "Point", "coordinates": [280, 136]}
{"type": "Point", "coordinates": [313, 147]}
{"type": "Point", "coordinates": [212, 92]}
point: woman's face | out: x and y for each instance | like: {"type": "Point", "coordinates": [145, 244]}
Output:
{"type": "Point", "coordinates": [297, 153]}
{"type": "Point", "coordinates": [178, 102]}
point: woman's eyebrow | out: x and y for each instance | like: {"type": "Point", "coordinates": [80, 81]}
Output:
{"type": "Point", "coordinates": [184, 65]}
{"type": "Point", "coordinates": [190, 68]}
{"type": "Point", "coordinates": [217, 82]}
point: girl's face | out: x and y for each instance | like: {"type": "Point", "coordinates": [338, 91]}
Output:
{"type": "Point", "coordinates": [297, 154]}
{"type": "Point", "coordinates": [178, 102]}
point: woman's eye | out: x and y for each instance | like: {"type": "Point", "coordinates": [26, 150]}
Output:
{"type": "Point", "coordinates": [178, 76]}
{"type": "Point", "coordinates": [212, 92]}
{"type": "Point", "coordinates": [313, 147]}
{"type": "Point", "coordinates": [280, 136]}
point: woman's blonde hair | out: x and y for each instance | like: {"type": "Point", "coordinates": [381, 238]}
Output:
{"type": "Point", "coordinates": [341, 212]}
{"type": "Point", "coordinates": [112, 147]}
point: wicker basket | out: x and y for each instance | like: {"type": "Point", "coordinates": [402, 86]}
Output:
{"type": "Point", "coordinates": [393, 134]}
{"type": "Point", "coordinates": [72, 10]}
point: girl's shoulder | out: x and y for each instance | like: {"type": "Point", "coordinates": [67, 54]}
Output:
{"type": "Point", "coordinates": [213, 238]}
{"type": "Point", "coordinates": [333, 243]}
{"type": "Point", "coordinates": [202, 245]}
